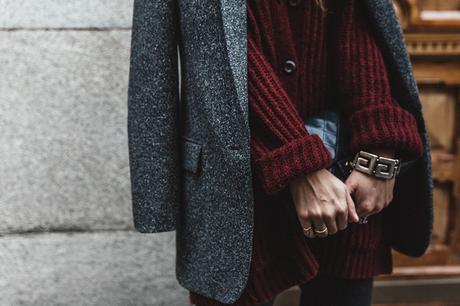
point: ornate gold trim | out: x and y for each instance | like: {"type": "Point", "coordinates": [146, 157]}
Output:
{"type": "Point", "coordinates": [433, 44]}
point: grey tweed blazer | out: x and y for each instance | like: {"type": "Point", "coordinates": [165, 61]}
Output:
{"type": "Point", "coordinates": [189, 141]}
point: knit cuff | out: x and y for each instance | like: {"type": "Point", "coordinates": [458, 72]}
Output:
{"type": "Point", "coordinates": [385, 126]}
{"type": "Point", "coordinates": [300, 156]}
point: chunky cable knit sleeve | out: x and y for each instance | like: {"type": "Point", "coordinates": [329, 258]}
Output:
{"type": "Point", "coordinates": [281, 146]}
{"type": "Point", "coordinates": [375, 119]}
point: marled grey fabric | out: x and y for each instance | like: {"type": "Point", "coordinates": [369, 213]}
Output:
{"type": "Point", "coordinates": [190, 159]}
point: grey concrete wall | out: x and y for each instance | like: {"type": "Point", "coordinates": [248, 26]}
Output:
{"type": "Point", "coordinates": [66, 232]}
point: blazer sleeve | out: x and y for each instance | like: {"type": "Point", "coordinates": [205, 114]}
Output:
{"type": "Point", "coordinates": [281, 147]}
{"type": "Point", "coordinates": [152, 119]}
{"type": "Point", "coordinates": [375, 118]}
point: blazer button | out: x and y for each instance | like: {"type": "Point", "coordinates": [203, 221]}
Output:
{"type": "Point", "coordinates": [289, 66]}
{"type": "Point", "coordinates": [294, 2]}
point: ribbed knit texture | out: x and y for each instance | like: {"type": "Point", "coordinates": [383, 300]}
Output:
{"type": "Point", "coordinates": [375, 119]}
{"type": "Point", "coordinates": [283, 148]}
{"type": "Point", "coordinates": [337, 61]}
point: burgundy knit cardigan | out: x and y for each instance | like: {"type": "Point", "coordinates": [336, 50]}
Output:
{"type": "Point", "coordinates": [337, 62]}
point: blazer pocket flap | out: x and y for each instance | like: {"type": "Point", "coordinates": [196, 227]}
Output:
{"type": "Point", "coordinates": [191, 155]}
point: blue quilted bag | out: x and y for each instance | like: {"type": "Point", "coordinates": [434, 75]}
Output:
{"type": "Point", "coordinates": [329, 127]}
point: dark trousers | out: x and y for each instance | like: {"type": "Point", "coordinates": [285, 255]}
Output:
{"type": "Point", "coordinates": [331, 291]}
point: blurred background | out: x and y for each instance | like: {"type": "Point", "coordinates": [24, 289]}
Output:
{"type": "Point", "coordinates": [66, 232]}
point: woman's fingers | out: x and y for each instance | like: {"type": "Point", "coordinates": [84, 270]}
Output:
{"type": "Point", "coordinates": [322, 202]}
{"type": "Point", "coordinates": [342, 217]}
{"type": "Point", "coordinates": [330, 220]}
{"type": "Point", "coordinates": [331, 226]}
{"type": "Point", "coordinates": [352, 214]}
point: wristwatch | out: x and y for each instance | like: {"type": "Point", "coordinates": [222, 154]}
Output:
{"type": "Point", "coordinates": [375, 165]}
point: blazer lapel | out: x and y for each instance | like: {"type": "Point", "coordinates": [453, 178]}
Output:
{"type": "Point", "coordinates": [235, 30]}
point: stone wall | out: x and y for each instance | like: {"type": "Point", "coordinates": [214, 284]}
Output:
{"type": "Point", "coordinates": [67, 236]}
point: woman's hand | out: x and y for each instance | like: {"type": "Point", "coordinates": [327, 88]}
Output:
{"type": "Point", "coordinates": [322, 200]}
{"type": "Point", "coordinates": [370, 194]}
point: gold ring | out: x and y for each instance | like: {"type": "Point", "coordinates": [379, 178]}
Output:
{"type": "Point", "coordinates": [307, 229]}
{"type": "Point", "coordinates": [321, 231]}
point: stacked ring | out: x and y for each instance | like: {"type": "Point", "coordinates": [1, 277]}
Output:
{"type": "Point", "coordinates": [321, 231]}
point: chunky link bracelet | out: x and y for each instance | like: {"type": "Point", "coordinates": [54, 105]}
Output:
{"type": "Point", "coordinates": [375, 165]}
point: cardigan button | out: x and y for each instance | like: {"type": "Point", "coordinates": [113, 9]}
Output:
{"type": "Point", "coordinates": [294, 2]}
{"type": "Point", "coordinates": [289, 66]}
